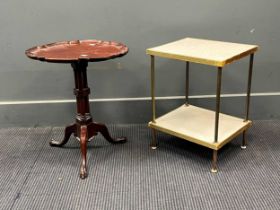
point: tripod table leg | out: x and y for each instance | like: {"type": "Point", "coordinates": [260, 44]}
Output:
{"type": "Point", "coordinates": [99, 127]}
{"type": "Point", "coordinates": [69, 130]}
{"type": "Point", "coordinates": [83, 142]}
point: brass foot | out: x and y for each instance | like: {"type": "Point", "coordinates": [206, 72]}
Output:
{"type": "Point", "coordinates": [154, 143]}
{"type": "Point", "coordinates": [214, 170]}
{"type": "Point", "coordinates": [153, 147]}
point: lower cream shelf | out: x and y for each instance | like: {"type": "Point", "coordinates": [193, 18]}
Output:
{"type": "Point", "coordinates": [197, 124]}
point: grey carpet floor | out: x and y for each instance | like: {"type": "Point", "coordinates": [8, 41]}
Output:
{"type": "Point", "coordinates": [131, 176]}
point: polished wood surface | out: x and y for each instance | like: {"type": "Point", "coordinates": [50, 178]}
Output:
{"type": "Point", "coordinates": [215, 53]}
{"type": "Point", "coordinates": [71, 51]}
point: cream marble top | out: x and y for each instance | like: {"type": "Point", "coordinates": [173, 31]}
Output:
{"type": "Point", "coordinates": [197, 125]}
{"type": "Point", "coordinates": [215, 53]}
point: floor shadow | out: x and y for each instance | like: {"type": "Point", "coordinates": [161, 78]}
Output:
{"type": "Point", "coordinates": [182, 147]}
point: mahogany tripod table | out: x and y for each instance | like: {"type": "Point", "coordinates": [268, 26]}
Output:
{"type": "Point", "coordinates": [78, 54]}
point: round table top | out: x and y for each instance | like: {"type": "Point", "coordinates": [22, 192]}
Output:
{"type": "Point", "coordinates": [71, 51]}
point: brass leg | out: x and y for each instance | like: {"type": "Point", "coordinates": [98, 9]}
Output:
{"type": "Point", "coordinates": [218, 96]}
{"type": "Point", "coordinates": [244, 140]}
{"type": "Point", "coordinates": [187, 83]}
{"type": "Point", "coordinates": [154, 143]}
{"type": "Point", "coordinates": [214, 168]}
{"type": "Point", "coordinates": [153, 88]}
{"type": "Point", "coordinates": [249, 87]}
{"type": "Point", "coordinates": [83, 142]}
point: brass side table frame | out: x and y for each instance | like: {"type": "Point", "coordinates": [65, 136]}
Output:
{"type": "Point", "coordinates": [208, 128]}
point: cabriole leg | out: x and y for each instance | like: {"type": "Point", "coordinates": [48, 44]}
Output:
{"type": "Point", "coordinates": [83, 142]}
{"type": "Point", "coordinates": [68, 131]}
{"type": "Point", "coordinates": [94, 128]}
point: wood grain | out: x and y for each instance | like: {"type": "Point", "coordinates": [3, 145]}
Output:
{"type": "Point", "coordinates": [77, 50]}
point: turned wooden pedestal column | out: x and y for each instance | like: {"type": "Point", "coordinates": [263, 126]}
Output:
{"type": "Point", "coordinates": [84, 128]}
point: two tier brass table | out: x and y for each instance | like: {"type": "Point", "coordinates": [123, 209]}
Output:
{"type": "Point", "coordinates": [205, 127]}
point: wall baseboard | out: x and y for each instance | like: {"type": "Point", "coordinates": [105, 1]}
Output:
{"type": "Point", "coordinates": [58, 101]}
{"type": "Point", "coordinates": [53, 113]}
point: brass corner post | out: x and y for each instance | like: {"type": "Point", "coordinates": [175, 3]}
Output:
{"type": "Point", "coordinates": [153, 88]}
{"type": "Point", "coordinates": [154, 142]}
{"type": "Point", "coordinates": [249, 87]}
{"type": "Point", "coordinates": [187, 82]}
{"type": "Point", "coordinates": [250, 73]}
{"type": "Point", "coordinates": [218, 97]}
